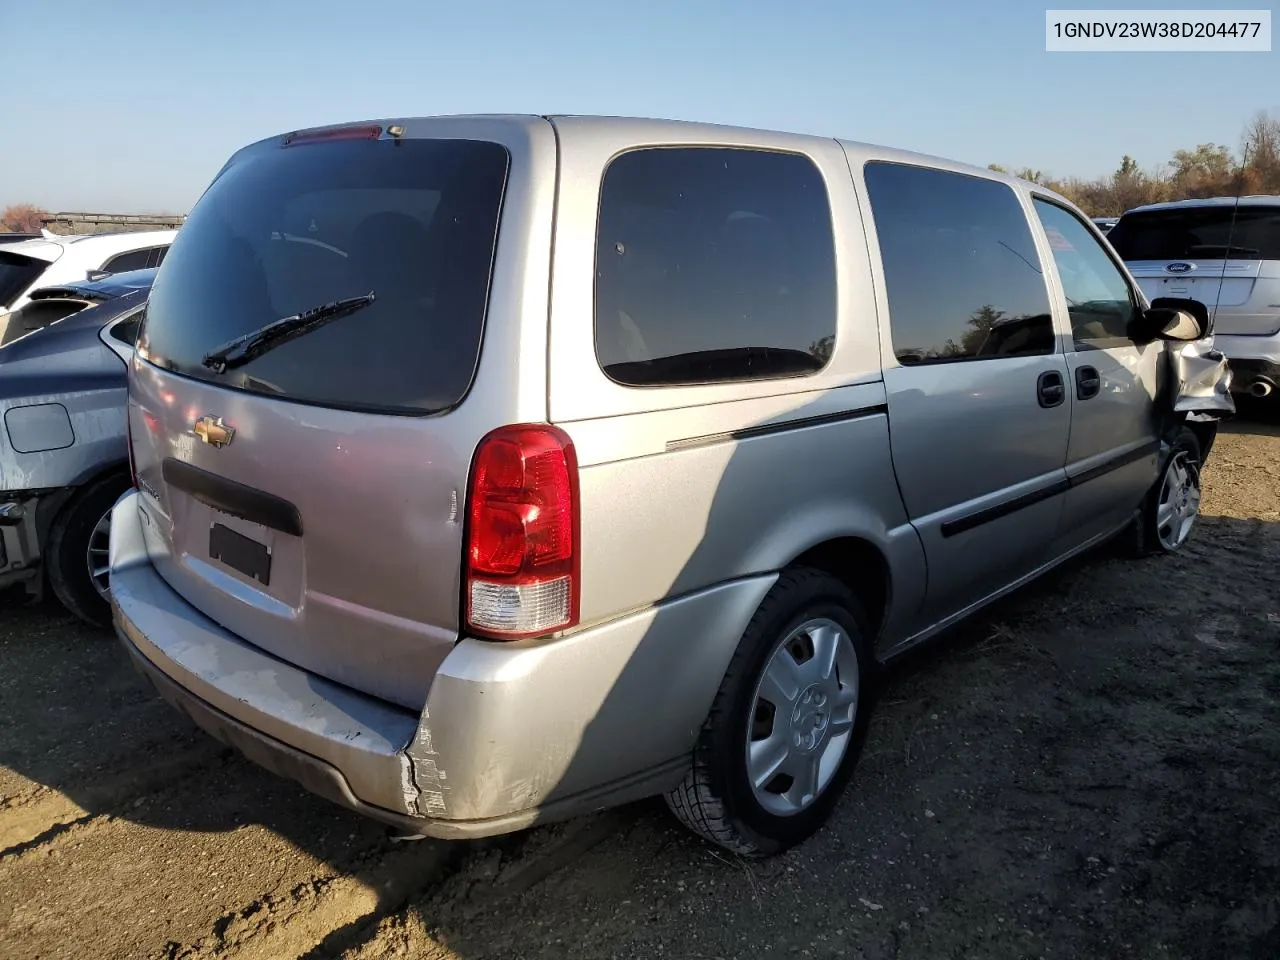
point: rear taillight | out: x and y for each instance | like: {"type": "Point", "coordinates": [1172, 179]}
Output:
{"type": "Point", "coordinates": [522, 576]}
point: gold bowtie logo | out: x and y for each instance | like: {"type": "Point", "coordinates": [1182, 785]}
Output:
{"type": "Point", "coordinates": [213, 431]}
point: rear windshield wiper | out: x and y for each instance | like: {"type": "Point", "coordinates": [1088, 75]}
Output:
{"type": "Point", "coordinates": [238, 352]}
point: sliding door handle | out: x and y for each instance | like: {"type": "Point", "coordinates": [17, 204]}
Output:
{"type": "Point", "coordinates": [1050, 390]}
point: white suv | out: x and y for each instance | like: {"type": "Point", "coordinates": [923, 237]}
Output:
{"type": "Point", "coordinates": [1227, 256]}
{"type": "Point", "coordinates": [29, 264]}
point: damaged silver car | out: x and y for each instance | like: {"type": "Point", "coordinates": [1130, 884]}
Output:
{"type": "Point", "coordinates": [63, 456]}
{"type": "Point", "coordinates": [494, 470]}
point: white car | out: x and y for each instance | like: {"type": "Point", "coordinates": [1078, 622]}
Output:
{"type": "Point", "coordinates": [1225, 253]}
{"type": "Point", "coordinates": [54, 260]}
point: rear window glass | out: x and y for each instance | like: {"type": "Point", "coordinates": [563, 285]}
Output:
{"type": "Point", "coordinates": [284, 231]}
{"type": "Point", "coordinates": [713, 265]}
{"type": "Point", "coordinates": [1199, 233]}
{"type": "Point", "coordinates": [16, 274]}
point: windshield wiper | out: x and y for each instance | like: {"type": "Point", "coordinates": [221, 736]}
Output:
{"type": "Point", "coordinates": [238, 352]}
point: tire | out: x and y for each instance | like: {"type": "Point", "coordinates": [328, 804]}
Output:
{"type": "Point", "coordinates": [67, 559]}
{"type": "Point", "coordinates": [1174, 500]}
{"type": "Point", "coordinates": [717, 799]}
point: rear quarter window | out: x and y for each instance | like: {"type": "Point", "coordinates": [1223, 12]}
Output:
{"type": "Point", "coordinates": [713, 265]}
{"type": "Point", "coordinates": [284, 230]}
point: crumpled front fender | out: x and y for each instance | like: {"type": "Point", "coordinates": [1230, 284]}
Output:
{"type": "Point", "coordinates": [1200, 381]}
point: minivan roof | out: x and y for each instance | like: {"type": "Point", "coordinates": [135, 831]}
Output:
{"type": "Point", "coordinates": [1254, 200]}
{"type": "Point", "coordinates": [652, 129]}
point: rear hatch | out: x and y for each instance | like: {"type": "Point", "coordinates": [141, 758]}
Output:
{"type": "Point", "coordinates": [306, 496]}
{"type": "Point", "coordinates": [1197, 252]}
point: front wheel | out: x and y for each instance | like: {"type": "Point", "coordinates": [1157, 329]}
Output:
{"type": "Point", "coordinates": [77, 557]}
{"type": "Point", "coordinates": [785, 729]}
{"type": "Point", "coordinates": [1173, 505]}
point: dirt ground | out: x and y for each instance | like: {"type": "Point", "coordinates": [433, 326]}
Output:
{"type": "Point", "coordinates": [1092, 769]}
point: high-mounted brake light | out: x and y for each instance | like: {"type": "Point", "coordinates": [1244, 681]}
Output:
{"type": "Point", "coordinates": [356, 132]}
{"type": "Point", "coordinates": [522, 561]}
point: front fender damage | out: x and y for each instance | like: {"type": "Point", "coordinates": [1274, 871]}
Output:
{"type": "Point", "coordinates": [1201, 382]}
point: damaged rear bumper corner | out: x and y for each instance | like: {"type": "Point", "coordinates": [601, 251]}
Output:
{"type": "Point", "coordinates": [344, 744]}
{"type": "Point", "coordinates": [511, 734]}
{"type": "Point", "coordinates": [312, 773]}
{"type": "Point", "coordinates": [315, 775]}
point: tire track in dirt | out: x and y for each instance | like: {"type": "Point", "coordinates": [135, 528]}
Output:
{"type": "Point", "coordinates": [297, 921]}
{"type": "Point", "coordinates": [333, 913]}
{"type": "Point", "coordinates": [43, 815]}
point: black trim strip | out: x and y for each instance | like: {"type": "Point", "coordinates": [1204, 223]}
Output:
{"type": "Point", "coordinates": [1115, 463]}
{"type": "Point", "coordinates": [780, 426]}
{"type": "Point", "coordinates": [962, 524]}
{"type": "Point", "coordinates": [987, 514]}
{"type": "Point", "coordinates": [234, 498]}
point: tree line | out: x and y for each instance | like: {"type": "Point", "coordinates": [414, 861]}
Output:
{"type": "Point", "coordinates": [1210, 170]}
{"type": "Point", "coordinates": [22, 218]}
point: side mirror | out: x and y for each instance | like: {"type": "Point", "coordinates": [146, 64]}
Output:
{"type": "Point", "coordinates": [1171, 318]}
{"type": "Point", "coordinates": [1198, 311]}
{"type": "Point", "coordinates": [1182, 326]}
{"type": "Point", "coordinates": [97, 274]}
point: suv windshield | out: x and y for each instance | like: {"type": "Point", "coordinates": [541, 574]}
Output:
{"type": "Point", "coordinates": [285, 230]}
{"type": "Point", "coordinates": [16, 274]}
{"type": "Point", "coordinates": [1199, 233]}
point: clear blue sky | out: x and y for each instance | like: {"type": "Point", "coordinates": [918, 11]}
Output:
{"type": "Point", "coordinates": [135, 104]}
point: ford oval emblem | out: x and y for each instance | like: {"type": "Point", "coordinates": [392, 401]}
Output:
{"type": "Point", "coordinates": [1180, 267]}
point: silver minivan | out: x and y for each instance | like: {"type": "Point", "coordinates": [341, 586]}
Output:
{"type": "Point", "coordinates": [1224, 252]}
{"type": "Point", "coordinates": [493, 470]}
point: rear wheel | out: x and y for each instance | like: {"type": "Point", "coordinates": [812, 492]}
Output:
{"type": "Point", "coordinates": [76, 558]}
{"type": "Point", "coordinates": [785, 729]}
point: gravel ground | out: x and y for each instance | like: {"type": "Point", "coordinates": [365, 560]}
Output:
{"type": "Point", "coordinates": [1091, 769]}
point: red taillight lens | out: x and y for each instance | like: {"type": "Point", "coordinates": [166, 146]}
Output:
{"type": "Point", "coordinates": [356, 132]}
{"type": "Point", "coordinates": [522, 541]}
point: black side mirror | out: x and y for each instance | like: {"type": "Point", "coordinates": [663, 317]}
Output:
{"type": "Point", "coordinates": [97, 274]}
{"type": "Point", "coordinates": [1170, 318]}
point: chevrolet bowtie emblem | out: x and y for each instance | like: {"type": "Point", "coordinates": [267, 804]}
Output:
{"type": "Point", "coordinates": [213, 431]}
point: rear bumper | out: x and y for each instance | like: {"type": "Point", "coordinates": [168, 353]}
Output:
{"type": "Point", "coordinates": [511, 734]}
{"type": "Point", "coordinates": [1247, 375]}
{"type": "Point", "coordinates": [316, 775]}
{"type": "Point", "coordinates": [1235, 348]}
{"type": "Point", "coordinates": [1252, 359]}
